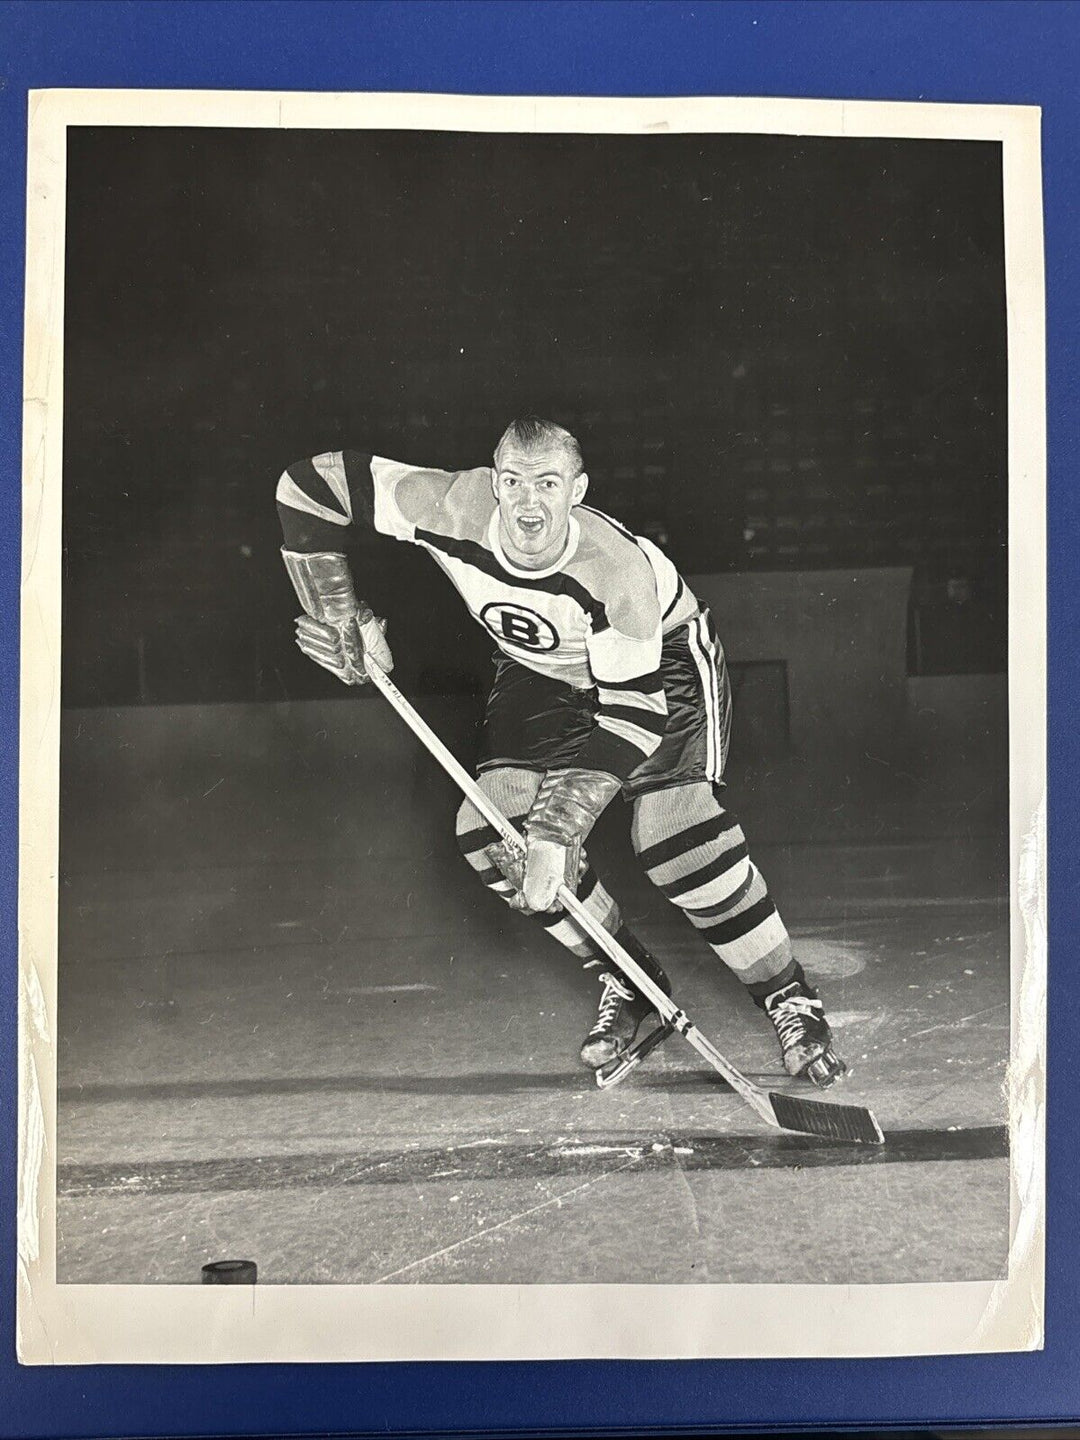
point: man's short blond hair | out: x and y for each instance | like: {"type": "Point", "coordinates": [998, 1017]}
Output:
{"type": "Point", "coordinates": [531, 432]}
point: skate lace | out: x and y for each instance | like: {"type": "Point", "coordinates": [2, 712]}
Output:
{"type": "Point", "coordinates": [790, 1015]}
{"type": "Point", "coordinates": [613, 993]}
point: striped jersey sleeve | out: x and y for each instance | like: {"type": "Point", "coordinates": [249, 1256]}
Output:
{"type": "Point", "coordinates": [319, 499]}
{"type": "Point", "coordinates": [625, 662]}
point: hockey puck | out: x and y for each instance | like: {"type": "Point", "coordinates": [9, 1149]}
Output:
{"type": "Point", "coordinates": [230, 1272]}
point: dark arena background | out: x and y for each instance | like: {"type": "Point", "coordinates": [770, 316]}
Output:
{"type": "Point", "coordinates": [292, 1027]}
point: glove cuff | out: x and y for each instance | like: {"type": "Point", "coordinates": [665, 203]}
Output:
{"type": "Point", "coordinates": [569, 803]}
{"type": "Point", "coordinates": [323, 584]}
{"type": "Point", "coordinates": [324, 587]}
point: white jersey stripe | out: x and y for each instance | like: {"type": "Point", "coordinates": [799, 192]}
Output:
{"type": "Point", "coordinates": [652, 700]}
{"type": "Point", "coordinates": [702, 663]}
{"type": "Point", "coordinates": [667, 577]}
{"type": "Point", "coordinates": [331, 467]}
{"type": "Point", "coordinates": [385, 475]}
{"type": "Point", "coordinates": [289, 493]}
{"type": "Point", "coordinates": [723, 706]}
{"type": "Point", "coordinates": [710, 651]}
{"type": "Point", "coordinates": [642, 739]}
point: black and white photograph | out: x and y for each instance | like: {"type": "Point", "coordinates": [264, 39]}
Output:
{"type": "Point", "coordinates": [538, 670]}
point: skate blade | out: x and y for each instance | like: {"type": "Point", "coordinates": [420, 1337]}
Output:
{"type": "Point", "coordinates": [826, 1070]}
{"type": "Point", "coordinates": [617, 1070]}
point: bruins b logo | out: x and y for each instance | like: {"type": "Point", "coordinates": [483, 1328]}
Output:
{"type": "Point", "coordinates": [517, 625]}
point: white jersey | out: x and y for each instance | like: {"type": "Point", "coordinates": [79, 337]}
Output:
{"type": "Point", "coordinates": [596, 618]}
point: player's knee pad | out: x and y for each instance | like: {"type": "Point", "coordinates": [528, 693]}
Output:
{"type": "Point", "coordinates": [671, 822]}
{"type": "Point", "coordinates": [512, 791]}
{"type": "Point", "coordinates": [692, 849]}
{"type": "Point", "coordinates": [661, 815]}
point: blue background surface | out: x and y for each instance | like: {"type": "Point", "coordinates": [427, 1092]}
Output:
{"type": "Point", "coordinates": [1026, 53]}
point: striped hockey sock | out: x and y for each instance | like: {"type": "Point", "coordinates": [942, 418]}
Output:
{"type": "Point", "coordinates": [695, 852]}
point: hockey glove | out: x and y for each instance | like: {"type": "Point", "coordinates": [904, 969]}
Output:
{"type": "Point", "coordinates": [343, 649]}
{"type": "Point", "coordinates": [567, 806]}
{"type": "Point", "coordinates": [512, 864]}
{"type": "Point", "coordinates": [337, 631]}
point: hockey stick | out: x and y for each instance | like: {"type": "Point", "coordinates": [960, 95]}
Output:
{"type": "Point", "coordinates": [784, 1112]}
{"type": "Point", "coordinates": [616, 1071]}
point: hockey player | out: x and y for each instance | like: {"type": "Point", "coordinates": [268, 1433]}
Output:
{"type": "Point", "coordinates": [610, 680]}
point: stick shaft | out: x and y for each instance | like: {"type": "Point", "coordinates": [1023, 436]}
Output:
{"type": "Point", "coordinates": [662, 1003]}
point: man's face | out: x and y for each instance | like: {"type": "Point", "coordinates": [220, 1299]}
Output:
{"type": "Point", "coordinates": [536, 488]}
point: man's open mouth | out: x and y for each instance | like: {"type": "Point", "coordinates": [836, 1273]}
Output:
{"type": "Point", "coordinates": [531, 524]}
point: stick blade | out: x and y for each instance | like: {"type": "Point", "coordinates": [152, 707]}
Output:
{"type": "Point", "coordinates": [823, 1118]}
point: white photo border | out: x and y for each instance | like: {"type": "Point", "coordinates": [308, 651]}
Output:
{"type": "Point", "coordinates": [151, 1324]}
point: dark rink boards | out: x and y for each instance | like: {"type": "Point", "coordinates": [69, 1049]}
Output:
{"type": "Point", "coordinates": [301, 1033]}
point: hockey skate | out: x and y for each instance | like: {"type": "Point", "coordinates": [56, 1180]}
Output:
{"type": "Point", "coordinates": [611, 1047]}
{"type": "Point", "coordinates": [798, 1017]}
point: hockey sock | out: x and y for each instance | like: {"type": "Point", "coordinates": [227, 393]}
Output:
{"type": "Point", "coordinates": [600, 905]}
{"type": "Point", "coordinates": [695, 852]}
{"type": "Point", "coordinates": [762, 989]}
{"type": "Point", "coordinates": [644, 957]}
